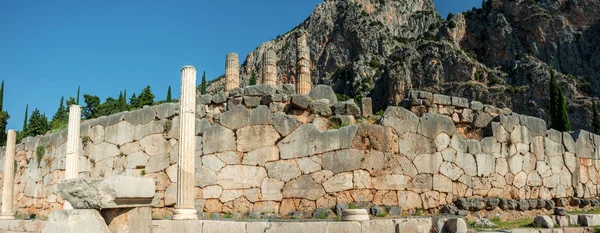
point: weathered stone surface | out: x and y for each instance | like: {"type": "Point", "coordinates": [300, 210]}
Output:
{"type": "Point", "coordinates": [323, 92]}
{"type": "Point", "coordinates": [284, 124]}
{"type": "Point", "coordinates": [401, 119]}
{"type": "Point", "coordinates": [543, 221]}
{"type": "Point", "coordinates": [589, 220]}
{"type": "Point", "coordinates": [431, 125]}
{"type": "Point", "coordinates": [119, 134]}
{"type": "Point", "coordinates": [236, 117]}
{"type": "Point", "coordinates": [103, 151]}
{"type": "Point", "coordinates": [260, 90]}
{"type": "Point", "coordinates": [111, 192]}
{"type": "Point", "coordinates": [241, 177]}
{"type": "Point", "coordinates": [219, 98]}
{"type": "Point", "coordinates": [343, 160]}
{"type": "Point", "coordinates": [271, 189]}
{"type": "Point", "coordinates": [75, 221]}
{"type": "Point", "coordinates": [442, 99]}
{"type": "Point", "coordinates": [260, 115]}
{"type": "Point", "coordinates": [300, 101]}
{"type": "Point", "coordinates": [256, 136]}
{"type": "Point", "coordinates": [339, 182]}
{"type": "Point", "coordinates": [428, 163]}
{"type": "Point", "coordinates": [157, 163]}
{"type": "Point", "coordinates": [307, 140]}
{"type": "Point", "coordinates": [129, 220]}
{"type": "Point", "coordinates": [390, 182]}
{"type": "Point", "coordinates": [218, 139]}
{"type": "Point", "coordinates": [261, 156]}
{"type": "Point", "coordinates": [468, 163]}
{"type": "Point", "coordinates": [411, 144]}
{"type": "Point", "coordinates": [320, 107]}
{"type": "Point", "coordinates": [155, 145]}
{"type": "Point", "coordinates": [442, 141]}
{"type": "Point", "coordinates": [251, 101]}
{"type": "Point", "coordinates": [455, 225]}
{"type": "Point", "coordinates": [486, 164]}
{"type": "Point", "coordinates": [408, 226]}
{"type": "Point", "coordinates": [303, 187]}
{"type": "Point", "coordinates": [284, 170]}
{"type": "Point", "coordinates": [482, 119]}
{"type": "Point", "coordinates": [536, 125]}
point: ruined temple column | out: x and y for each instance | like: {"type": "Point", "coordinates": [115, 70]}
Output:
{"type": "Point", "coordinates": [72, 163]}
{"type": "Point", "coordinates": [185, 208]}
{"type": "Point", "coordinates": [303, 81]}
{"type": "Point", "coordinates": [270, 68]}
{"type": "Point", "coordinates": [9, 176]}
{"type": "Point", "coordinates": [232, 72]}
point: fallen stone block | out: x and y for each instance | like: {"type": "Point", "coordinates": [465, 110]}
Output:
{"type": "Point", "coordinates": [455, 225]}
{"type": "Point", "coordinates": [589, 220]}
{"type": "Point", "coordinates": [543, 222]}
{"type": "Point", "coordinates": [111, 192]}
{"type": "Point", "coordinates": [75, 221]}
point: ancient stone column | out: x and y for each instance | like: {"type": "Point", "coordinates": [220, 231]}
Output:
{"type": "Point", "coordinates": [72, 165]}
{"type": "Point", "coordinates": [232, 72]}
{"type": "Point", "coordinates": [303, 82]}
{"type": "Point", "coordinates": [270, 68]}
{"type": "Point", "coordinates": [9, 176]}
{"type": "Point", "coordinates": [185, 208]}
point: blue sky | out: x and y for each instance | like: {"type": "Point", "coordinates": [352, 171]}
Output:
{"type": "Point", "coordinates": [48, 48]}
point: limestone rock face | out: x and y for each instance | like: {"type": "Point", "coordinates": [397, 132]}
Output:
{"type": "Point", "coordinates": [112, 192]}
{"type": "Point", "coordinates": [75, 221]}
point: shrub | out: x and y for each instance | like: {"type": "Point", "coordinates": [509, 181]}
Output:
{"type": "Point", "coordinates": [39, 154]}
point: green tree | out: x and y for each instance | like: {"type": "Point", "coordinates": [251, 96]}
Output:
{"type": "Point", "coordinates": [61, 117]}
{"type": "Point", "coordinates": [252, 80]}
{"type": "Point", "coordinates": [3, 117]}
{"type": "Point", "coordinates": [169, 95]}
{"type": "Point", "coordinates": [559, 117]}
{"type": "Point", "coordinates": [596, 118]}
{"type": "Point", "coordinates": [121, 103]}
{"type": "Point", "coordinates": [70, 101]}
{"type": "Point", "coordinates": [109, 107]}
{"type": "Point", "coordinates": [25, 119]}
{"type": "Point", "coordinates": [92, 103]}
{"type": "Point", "coordinates": [38, 124]}
{"type": "Point", "coordinates": [203, 84]}
{"type": "Point", "coordinates": [78, 89]}
{"type": "Point", "coordinates": [133, 101]}
{"type": "Point", "coordinates": [145, 98]}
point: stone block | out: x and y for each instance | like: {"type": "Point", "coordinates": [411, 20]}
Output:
{"type": "Point", "coordinates": [260, 116]}
{"type": "Point", "coordinates": [219, 98]}
{"type": "Point", "coordinates": [455, 225]}
{"type": "Point", "coordinates": [251, 101]}
{"type": "Point", "coordinates": [236, 117]}
{"type": "Point", "coordinates": [111, 192]}
{"type": "Point", "coordinates": [543, 221]}
{"type": "Point", "coordinates": [303, 187]}
{"type": "Point", "coordinates": [128, 220]}
{"type": "Point", "coordinates": [300, 101]}
{"type": "Point", "coordinates": [284, 124]}
{"type": "Point", "coordinates": [442, 99]}
{"type": "Point", "coordinates": [288, 89]}
{"type": "Point", "coordinates": [589, 220]}
{"type": "Point", "coordinates": [536, 125]}
{"type": "Point", "coordinates": [366, 106]}
{"type": "Point", "coordinates": [401, 119]}
{"type": "Point", "coordinates": [431, 125]}
{"type": "Point", "coordinates": [256, 136]}
{"type": "Point", "coordinates": [323, 92]}
{"type": "Point", "coordinates": [75, 221]}
{"type": "Point", "coordinates": [260, 90]}
{"type": "Point", "coordinates": [241, 177]}
{"type": "Point", "coordinates": [169, 226]}
{"type": "Point", "coordinates": [320, 107]}
{"type": "Point", "coordinates": [460, 102]}
{"type": "Point", "coordinates": [218, 139]}
{"type": "Point", "coordinates": [476, 106]}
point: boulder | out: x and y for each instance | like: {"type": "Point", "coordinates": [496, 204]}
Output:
{"type": "Point", "coordinates": [323, 92]}
{"type": "Point", "coordinates": [320, 107]}
{"type": "Point", "coordinates": [589, 220]}
{"type": "Point", "coordinates": [75, 221]}
{"type": "Point", "coordinates": [543, 222]}
{"type": "Point", "coordinates": [260, 90]}
{"type": "Point", "coordinates": [455, 225]}
{"type": "Point", "coordinates": [111, 192]}
{"type": "Point", "coordinates": [300, 101]}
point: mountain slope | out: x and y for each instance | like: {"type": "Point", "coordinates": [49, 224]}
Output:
{"type": "Point", "coordinates": [500, 54]}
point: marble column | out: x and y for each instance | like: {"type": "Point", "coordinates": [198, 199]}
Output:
{"type": "Point", "coordinates": [232, 72]}
{"type": "Point", "coordinates": [9, 176]}
{"type": "Point", "coordinates": [303, 81]}
{"type": "Point", "coordinates": [73, 141]}
{"type": "Point", "coordinates": [185, 208]}
{"type": "Point", "coordinates": [270, 68]}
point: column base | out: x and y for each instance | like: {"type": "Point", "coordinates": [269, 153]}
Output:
{"type": "Point", "coordinates": [7, 216]}
{"type": "Point", "coordinates": [185, 214]}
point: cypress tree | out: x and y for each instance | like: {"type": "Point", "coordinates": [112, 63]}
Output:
{"type": "Point", "coordinates": [133, 101]}
{"type": "Point", "coordinates": [145, 98]}
{"type": "Point", "coordinates": [2, 96]}
{"type": "Point", "coordinates": [203, 84]}
{"type": "Point", "coordinates": [252, 80]}
{"type": "Point", "coordinates": [3, 117]}
{"type": "Point", "coordinates": [25, 119]}
{"type": "Point", "coordinates": [61, 117]}
{"type": "Point", "coordinates": [78, 89]}
{"type": "Point", "coordinates": [169, 94]}
{"type": "Point", "coordinates": [558, 107]}
{"type": "Point", "coordinates": [38, 124]}
{"type": "Point", "coordinates": [596, 118]}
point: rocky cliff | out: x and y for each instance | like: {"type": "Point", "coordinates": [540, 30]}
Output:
{"type": "Point", "coordinates": [500, 54]}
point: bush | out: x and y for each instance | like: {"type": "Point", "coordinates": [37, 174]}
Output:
{"type": "Point", "coordinates": [342, 97]}
{"type": "Point", "coordinates": [39, 154]}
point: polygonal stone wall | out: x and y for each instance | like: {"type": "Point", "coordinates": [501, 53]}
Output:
{"type": "Point", "coordinates": [265, 149]}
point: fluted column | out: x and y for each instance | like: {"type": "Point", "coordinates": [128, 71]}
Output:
{"type": "Point", "coordinates": [303, 82]}
{"type": "Point", "coordinates": [72, 163]}
{"type": "Point", "coordinates": [232, 72]}
{"type": "Point", "coordinates": [185, 208]}
{"type": "Point", "coordinates": [270, 68]}
{"type": "Point", "coordinates": [9, 176]}
{"type": "Point", "coordinates": [72, 169]}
